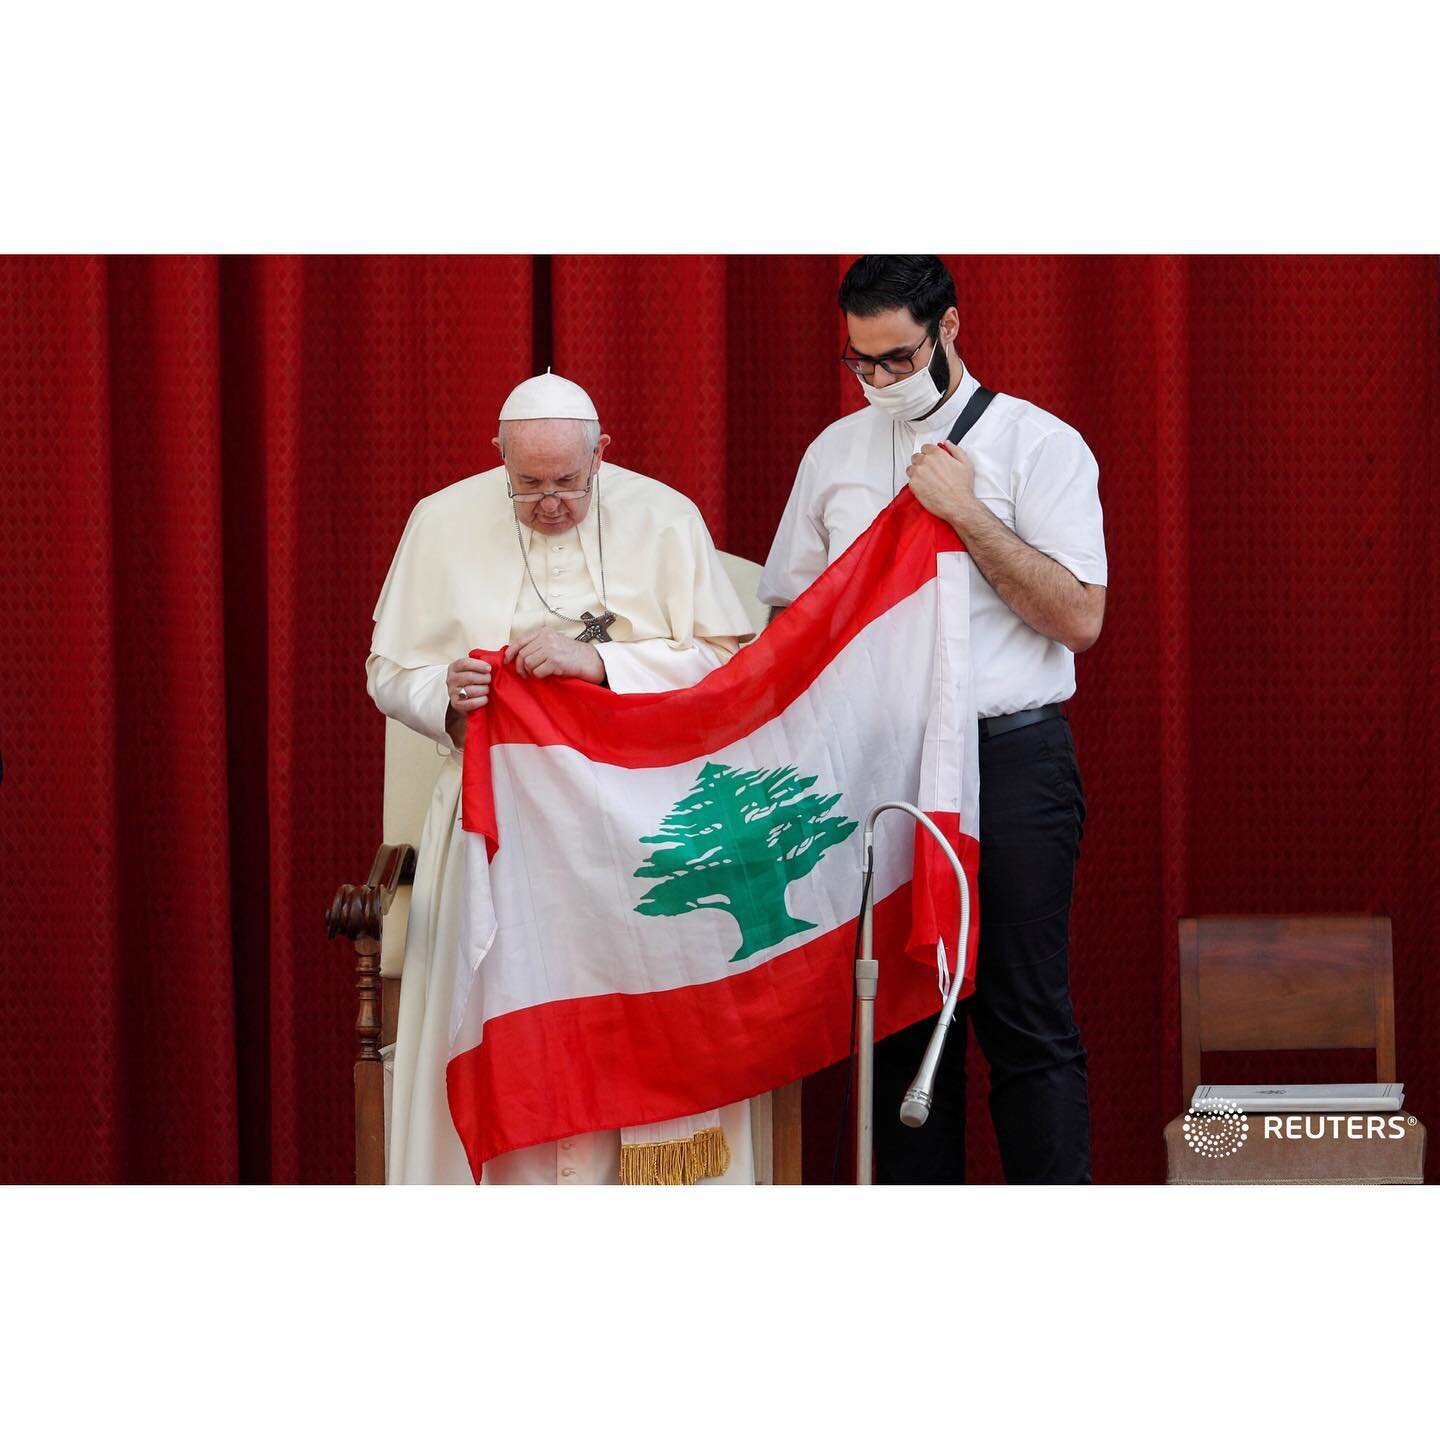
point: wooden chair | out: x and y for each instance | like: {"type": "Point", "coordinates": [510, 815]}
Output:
{"type": "Point", "coordinates": [373, 917]}
{"type": "Point", "coordinates": [1288, 982]}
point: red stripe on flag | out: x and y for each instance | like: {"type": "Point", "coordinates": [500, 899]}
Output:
{"type": "Point", "coordinates": [893, 559]}
{"type": "Point", "coordinates": [668, 1053]}
{"type": "Point", "coordinates": [936, 912]}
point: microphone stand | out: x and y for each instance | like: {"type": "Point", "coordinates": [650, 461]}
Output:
{"type": "Point", "coordinates": [916, 1107]}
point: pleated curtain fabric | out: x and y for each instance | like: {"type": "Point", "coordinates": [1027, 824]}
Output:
{"type": "Point", "coordinates": [205, 465]}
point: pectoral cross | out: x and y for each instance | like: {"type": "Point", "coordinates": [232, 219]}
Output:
{"type": "Point", "coordinates": [597, 627]}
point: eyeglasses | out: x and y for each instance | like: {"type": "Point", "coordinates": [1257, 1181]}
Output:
{"type": "Point", "coordinates": [534, 497]}
{"type": "Point", "coordinates": [894, 365]}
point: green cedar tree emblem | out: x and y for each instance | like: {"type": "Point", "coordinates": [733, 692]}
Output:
{"type": "Point", "coordinates": [734, 843]}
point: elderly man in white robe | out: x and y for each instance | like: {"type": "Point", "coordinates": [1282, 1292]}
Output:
{"type": "Point", "coordinates": [578, 568]}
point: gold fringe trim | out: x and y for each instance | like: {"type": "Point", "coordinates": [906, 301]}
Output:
{"type": "Point", "coordinates": [703, 1156]}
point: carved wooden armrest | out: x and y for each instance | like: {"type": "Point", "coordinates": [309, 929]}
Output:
{"type": "Point", "coordinates": [357, 912]}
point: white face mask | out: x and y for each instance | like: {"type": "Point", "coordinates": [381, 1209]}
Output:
{"type": "Point", "coordinates": [906, 399]}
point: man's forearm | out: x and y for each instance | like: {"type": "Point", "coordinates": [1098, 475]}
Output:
{"type": "Point", "coordinates": [1041, 591]}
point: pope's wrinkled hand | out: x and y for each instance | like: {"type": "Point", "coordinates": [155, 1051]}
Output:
{"type": "Point", "coordinates": [548, 653]}
{"type": "Point", "coordinates": [943, 480]}
{"type": "Point", "coordinates": [473, 678]}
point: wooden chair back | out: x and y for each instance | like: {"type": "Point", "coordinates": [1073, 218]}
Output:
{"type": "Point", "coordinates": [1285, 982]}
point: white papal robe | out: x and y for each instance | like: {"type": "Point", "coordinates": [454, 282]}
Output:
{"type": "Point", "coordinates": [459, 582]}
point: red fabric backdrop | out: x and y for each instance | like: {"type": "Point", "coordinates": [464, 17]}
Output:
{"type": "Point", "coordinates": [205, 464]}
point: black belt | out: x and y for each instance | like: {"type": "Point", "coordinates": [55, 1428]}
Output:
{"type": "Point", "coordinates": [1000, 724]}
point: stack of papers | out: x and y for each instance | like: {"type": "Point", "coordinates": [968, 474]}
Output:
{"type": "Point", "coordinates": [1282, 1099]}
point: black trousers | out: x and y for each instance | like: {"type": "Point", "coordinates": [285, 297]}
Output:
{"type": "Point", "coordinates": [1032, 815]}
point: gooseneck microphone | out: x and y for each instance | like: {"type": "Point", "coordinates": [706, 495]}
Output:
{"type": "Point", "coordinates": [915, 1109]}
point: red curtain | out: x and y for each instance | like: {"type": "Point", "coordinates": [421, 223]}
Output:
{"type": "Point", "coordinates": [205, 464]}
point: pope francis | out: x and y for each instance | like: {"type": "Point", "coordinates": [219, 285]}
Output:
{"type": "Point", "coordinates": [579, 568]}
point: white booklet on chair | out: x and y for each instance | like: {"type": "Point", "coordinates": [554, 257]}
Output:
{"type": "Point", "coordinates": [1281, 1099]}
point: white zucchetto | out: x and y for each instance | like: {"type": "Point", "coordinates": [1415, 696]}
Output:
{"type": "Point", "coordinates": [548, 397]}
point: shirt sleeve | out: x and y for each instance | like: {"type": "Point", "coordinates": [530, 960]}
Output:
{"type": "Point", "coordinates": [1057, 506]}
{"type": "Point", "coordinates": [415, 697]}
{"type": "Point", "coordinates": [636, 666]}
{"type": "Point", "coordinates": [800, 550]}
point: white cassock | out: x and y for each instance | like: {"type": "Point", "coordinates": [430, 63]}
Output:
{"type": "Point", "coordinates": [458, 582]}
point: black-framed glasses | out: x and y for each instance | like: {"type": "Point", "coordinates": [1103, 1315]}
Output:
{"type": "Point", "coordinates": [859, 364]}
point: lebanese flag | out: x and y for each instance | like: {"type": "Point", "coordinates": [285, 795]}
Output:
{"type": "Point", "coordinates": [663, 889]}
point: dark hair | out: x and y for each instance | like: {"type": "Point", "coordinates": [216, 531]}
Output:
{"type": "Point", "coordinates": [876, 283]}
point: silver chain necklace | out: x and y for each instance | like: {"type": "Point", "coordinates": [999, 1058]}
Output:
{"type": "Point", "coordinates": [597, 627]}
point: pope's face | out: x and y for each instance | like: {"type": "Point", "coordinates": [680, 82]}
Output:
{"type": "Point", "coordinates": [547, 455]}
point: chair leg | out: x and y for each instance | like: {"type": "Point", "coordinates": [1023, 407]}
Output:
{"type": "Point", "coordinates": [785, 1130]}
{"type": "Point", "coordinates": [369, 1068]}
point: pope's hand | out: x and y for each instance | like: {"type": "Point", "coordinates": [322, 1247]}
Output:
{"type": "Point", "coordinates": [549, 653]}
{"type": "Point", "coordinates": [471, 676]}
{"type": "Point", "coordinates": [943, 480]}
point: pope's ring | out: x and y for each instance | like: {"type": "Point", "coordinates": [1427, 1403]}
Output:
{"type": "Point", "coordinates": [461, 693]}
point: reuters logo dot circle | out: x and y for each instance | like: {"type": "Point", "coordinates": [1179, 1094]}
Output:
{"type": "Point", "coordinates": [1215, 1128]}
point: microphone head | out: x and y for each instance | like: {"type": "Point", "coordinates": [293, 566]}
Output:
{"type": "Point", "coordinates": [915, 1110]}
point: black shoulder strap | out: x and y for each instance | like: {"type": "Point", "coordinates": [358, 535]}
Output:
{"type": "Point", "coordinates": [975, 407]}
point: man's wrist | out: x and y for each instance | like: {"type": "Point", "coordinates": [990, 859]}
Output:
{"type": "Point", "coordinates": [967, 516]}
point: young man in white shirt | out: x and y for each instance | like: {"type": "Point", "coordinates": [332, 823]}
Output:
{"type": "Point", "coordinates": [1022, 494]}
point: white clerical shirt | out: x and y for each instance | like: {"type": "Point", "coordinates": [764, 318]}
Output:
{"type": "Point", "coordinates": [1032, 471]}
